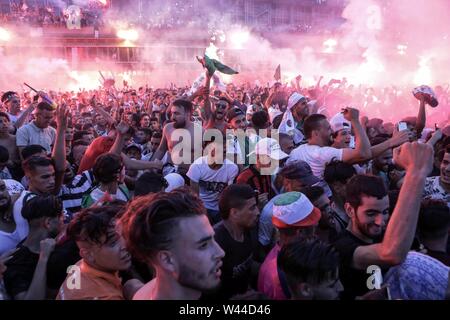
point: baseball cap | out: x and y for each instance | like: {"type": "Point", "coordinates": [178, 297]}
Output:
{"type": "Point", "coordinates": [174, 180]}
{"type": "Point", "coordinates": [133, 145]}
{"type": "Point", "coordinates": [294, 99]}
{"type": "Point", "coordinates": [338, 122]}
{"type": "Point", "coordinates": [299, 170]}
{"type": "Point", "coordinates": [293, 209]}
{"type": "Point", "coordinates": [233, 113]}
{"type": "Point", "coordinates": [269, 147]}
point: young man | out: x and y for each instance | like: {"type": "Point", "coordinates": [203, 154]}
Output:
{"type": "Point", "coordinates": [326, 230]}
{"type": "Point", "coordinates": [318, 153]}
{"type": "Point", "coordinates": [26, 276]}
{"type": "Point", "coordinates": [210, 175]}
{"type": "Point", "coordinates": [259, 176]}
{"type": "Point", "coordinates": [9, 235]}
{"type": "Point", "coordinates": [8, 140]}
{"type": "Point", "coordinates": [433, 228]}
{"type": "Point", "coordinates": [103, 255]}
{"type": "Point", "coordinates": [181, 111]}
{"type": "Point", "coordinates": [311, 269]}
{"type": "Point", "coordinates": [171, 233]}
{"type": "Point", "coordinates": [151, 147]}
{"type": "Point", "coordinates": [237, 237]}
{"type": "Point", "coordinates": [439, 187]}
{"type": "Point", "coordinates": [238, 144]}
{"type": "Point", "coordinates": [294, 216]}
{"type": "Point", "coordinates": [336, 175]}
{"type": "Point", "coordinates": [295, 176]}
{"type": "Point", "coordinates": [39, 131]}
{"type": "Point", "coordinates": [294, 118]}
{"type": "Point", "coordinates": [367, 205]}
{"type": "Point", "coordinates": [108, 172]}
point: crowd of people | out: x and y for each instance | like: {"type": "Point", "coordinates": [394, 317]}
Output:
{"type": "Point", "coordinates": [240, 192]}
{"type": "Point", "coordinates": [41, 14]}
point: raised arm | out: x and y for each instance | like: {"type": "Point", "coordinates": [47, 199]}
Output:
{"type": "Point", "coordinates": [421, 117]}
{"type": "Point", "coordinates": [162, 148]}
{"type": "Point", "coordinates": [416, 159]}
{"type": "Point", "coordinates": [362, 150]}
{"type": "Point", "coordinates": [20, 121]}
{"type": "Point", "coordinates": [110, 119]}
{"type": "Point", "coordinates": [59, 149]}
{"type": "Point", "coordinates": [398, 138]}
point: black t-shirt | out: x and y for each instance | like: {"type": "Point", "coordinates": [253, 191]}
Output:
{"type": "Point", "coordinates": [65, 254]}
{"type": "Point", "coordinates": [20, 271]}
{"type": "Point", "coordinates": [353, 280]}
{"type": "Point", "coordinates": [236, 269]}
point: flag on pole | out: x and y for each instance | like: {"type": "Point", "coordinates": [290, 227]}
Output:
{"type": "Point", "coordinates": [212, 65]}
{"type": "Point", "coordinates": [277, 74]}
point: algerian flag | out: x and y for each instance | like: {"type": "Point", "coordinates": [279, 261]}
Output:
{"type": "Point", "coordinates": [212, 65]}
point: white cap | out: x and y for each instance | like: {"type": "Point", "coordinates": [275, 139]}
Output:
{"type": "Point", "coordinates": [338, 122]}
{"type": "Point", "coordinates": [174, 180]}
{"type": "Point", "coordinates": [294, 99]}
{"type": "Point", "coordinates": [270, 147]}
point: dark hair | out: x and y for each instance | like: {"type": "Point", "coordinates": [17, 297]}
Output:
{"type": "Point", "coordinates": [146, 131]}
{"type": "Point", "coordinates": [93, 223]}
{"type": "Point", "coordinates": [312, 123]}
{"type": "Point", "coordinates": [41, 206]}
{"type": "Point", "coordinates": [33, 162]}
{"type": "Point", "coordinates": [144, 115]}
{"type": "Point", "coordinates": [277, 121]}
{"type": "Point", "coordinates": [107, 167]}
{"type": "Point", "coordinates": [234, 196]}
{"type": "Point", "coordinates": [308, 261]}
{"type": "Point", "coordinates": [87, 126]}
{"type": "Point", "coordinates": [151, 223]}
{"type": "Point", "coordinates": [259, 119]}
{"type": "Point", "coordinates": [434, 219]}
{"type": "Point", "coordinates": [185, 104]}
{"type": "Point", "coordinates": [157, 135]}
{"type": "Point", "coordinates": [149, 182]}
{"type": "Point", "coordinates": [31, 150]}
{"type": "Point", "coordinates": [154, 119]}
{"type": "Point", "coordinates": [86, 114]}
{"type": "Point", "coordinates": [313, 193]}
{"type": "Point", "coordinates": [4, 154]}
{"type": "Point", "coordinates": [80, 142]}
{"type": "Point", "coordinates": [7, 95]}
{"type": "Point", "coordinates": [5, 115]}
{"type": "Point", "coordinates": [44, 106]}
{"type": "Point", "coordinates": [338, 171]}
{"type": "Point", "coordinates": [364, 185]}
{"type": "Point", "coordinates": [78, 135]}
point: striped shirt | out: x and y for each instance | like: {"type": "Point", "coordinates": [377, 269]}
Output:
{"type": "Point", "coordinates": [72, 193]}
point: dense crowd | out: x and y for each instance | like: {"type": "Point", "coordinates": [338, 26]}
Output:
{"type": "Point", "coordinates": [225, 192]}
{"type": "Point", "coordinates": [40, 15]}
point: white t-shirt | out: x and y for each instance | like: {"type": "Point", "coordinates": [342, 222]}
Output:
{"type": "Point", "coordinates": [22, 226]}
{"type": "Point", "coordinates": [317, 157]}
{"type": "Point", "coordinates": [212, 182]}
{"type": "Point", "coordinates": [8, 241]}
